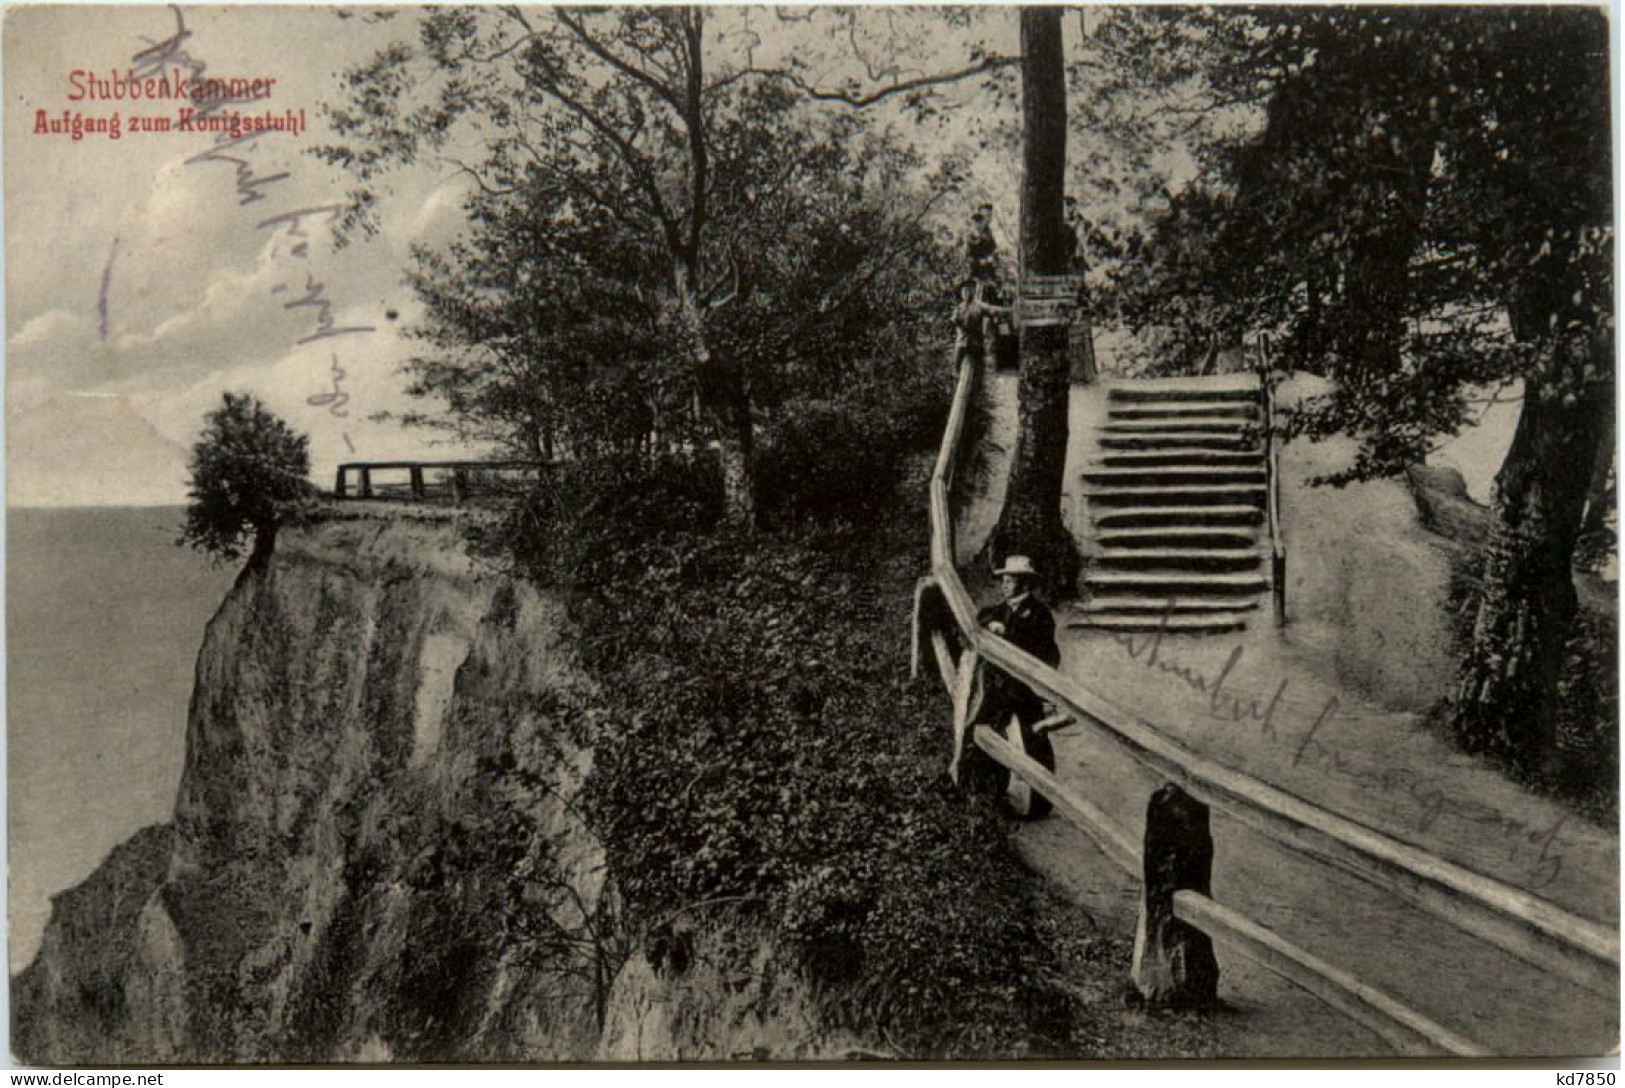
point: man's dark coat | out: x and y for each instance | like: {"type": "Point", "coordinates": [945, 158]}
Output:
{"type": "Point", "coordinates": [1029, 626]}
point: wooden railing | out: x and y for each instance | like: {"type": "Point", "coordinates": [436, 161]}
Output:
{"type": "Point", "coordinates": [1531, 928]}
{"type": "Point", "coordinates": [427, 481]}
{"type": "Point", "coordinates": [1272, 466]}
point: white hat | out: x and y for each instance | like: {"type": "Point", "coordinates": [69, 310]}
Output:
{"type": "Point", "coordinates": [1018, 565]}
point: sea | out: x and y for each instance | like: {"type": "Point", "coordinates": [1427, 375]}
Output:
{"type": "Point", "coordinates": [104, 617]}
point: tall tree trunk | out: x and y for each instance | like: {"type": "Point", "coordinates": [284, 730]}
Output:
{"type": "Point", "coordinates": [1507, 701]}
{"type": "Point", "coordinates": [736, 442]}
{"type": "Point", "coordinates": [726, 407]}
{"type": "Point", "coordinates": [1600, 497]}
{"type": "Point", "coordinates": [722, 395]}
{"type": "Point", "coordinates": [1031, 522]}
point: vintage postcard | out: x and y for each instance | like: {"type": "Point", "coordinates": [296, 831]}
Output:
{"type": "Point", "coordinates": [546, 534]}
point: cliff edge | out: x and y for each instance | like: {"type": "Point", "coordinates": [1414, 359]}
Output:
{"type": "Point", "coordinates": [375, 853]}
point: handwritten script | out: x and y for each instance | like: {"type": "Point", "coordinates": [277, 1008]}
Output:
{"type": "Point", "coordinates": [290, 230]}
{"type": "Point", "coordinates": [1149, 652]}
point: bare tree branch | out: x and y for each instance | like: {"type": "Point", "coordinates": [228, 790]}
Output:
{"type": "Point", "coordinates": [863, 101]}
{"type": "Point", "coordinates": [488, 190]}
{"type": "Point", "coordinates": [642, 171]}
{"type": "Point", "coordinates": [620, 64]}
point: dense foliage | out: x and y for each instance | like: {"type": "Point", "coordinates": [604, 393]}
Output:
{"type": "Point", "coordinates": [248, 475]}
{"type": "Point", "coordinates": [710, 291]}
{"type": "Point", "coordinates": [667, 239]}
{"type": "Point", "coordinates": [759, 745]}
{"type": "Point", "coordinates": [1584, 770]}
{"type": "Point", "coordinates": [1421, 205]}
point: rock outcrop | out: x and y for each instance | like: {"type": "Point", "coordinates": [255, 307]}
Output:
{"type": "Point", "coordinates": [376, 852]}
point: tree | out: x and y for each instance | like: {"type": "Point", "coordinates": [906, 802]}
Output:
{"type": "Point", "coordinates": [248, 476]}
{"type": "Point", "coordinates": [1031, 521]}
{"type": "Point", "coordinates": [1543, 171]}
{"type": "Point", "coordinates": [663, 170]}
{"type": "Point", "coordinates": [1424, 207]}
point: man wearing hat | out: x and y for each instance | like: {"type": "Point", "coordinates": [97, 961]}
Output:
{"type": "Point", "coordinates": [981, 251]}
{"type": "Point", "coordinates": [1025, 622]}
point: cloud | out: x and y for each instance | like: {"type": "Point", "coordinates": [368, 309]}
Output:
{"type": "Point", "coordinates": [340, 429]}
{"type": "Point", "coordinates": [196, 290]}
{"type": "Point", "coordinates": [440, 214]}
{"type": "Point", "coordinates": [54, 326]}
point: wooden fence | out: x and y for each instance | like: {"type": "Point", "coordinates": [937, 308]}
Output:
{"type": "Point", "coordinates": [1534, 929]}
{"type": "Point", "coordinates": [429, 481]}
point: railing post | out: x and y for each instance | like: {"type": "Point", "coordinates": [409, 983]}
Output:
{"type": "Point", "coordinates": [1174, 965]}
{"type": "Point", "coordinates": [1272, 481]}
{"type": "Point", "coordinates": [965, 705]}
{"type": "Point", "coordinates": [1278, 586]}
{"type": "Point", "coordinates": [366, 482]}
{"type": "Point", "coordinates": [339, 488]}
{"type": "Point", "coordinates": [417, 482]}
{"type": "Point", "coordinates": [458, 485]}
{"type": "Point", "coordinates": [926, 596]}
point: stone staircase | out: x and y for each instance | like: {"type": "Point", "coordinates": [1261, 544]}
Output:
{"type": "Point", "coordinates": [1176, 491]}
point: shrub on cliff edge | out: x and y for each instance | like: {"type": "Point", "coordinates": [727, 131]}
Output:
{"type": "Point", "coordinates": [249, 474]}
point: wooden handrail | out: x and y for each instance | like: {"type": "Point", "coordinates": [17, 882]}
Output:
{"type": "Point", "coordinates": [1401, 1026]}
{"type": "Point", "coordinates": [1532, 928]}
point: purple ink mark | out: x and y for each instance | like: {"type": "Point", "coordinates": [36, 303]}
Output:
{"type": "Point", "coordinates": [248, 183]}
{"type": "Point", "coordinates": [107, 282]}
{"type": "Point", "coordinates": [333, 401]}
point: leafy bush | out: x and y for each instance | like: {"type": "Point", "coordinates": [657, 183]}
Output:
{"type": "Point", "coordinates": [248, 475]}
{"type": "Point", "coordinates": [759, 751]}
{"type": "Point", "coordinates": [574, 528]}
{"type": "Point", "coordinates": [1584, 771]}
{"type": "Point", "coordinates": [840, 460]}
{"type": "Point", "coordinates": [820, 465]}
{"type": "Point", "coordinates": [764, 748]}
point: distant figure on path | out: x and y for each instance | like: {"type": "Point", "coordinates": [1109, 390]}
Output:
{"type": "Point", "coordinates": [981, 251]}
{"type": "Point", "coordinates": [974, 318]}
{"type": "Point", "coordinates": [1025, 622]}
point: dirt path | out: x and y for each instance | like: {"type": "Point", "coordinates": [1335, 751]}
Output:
{"type": "Point", "coordinates": [1303, 709]}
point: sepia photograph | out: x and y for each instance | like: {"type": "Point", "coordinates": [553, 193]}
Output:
{"type": "Point", "coordinates": [834, 535]}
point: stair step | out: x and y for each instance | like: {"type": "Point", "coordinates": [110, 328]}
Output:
{"type": "Point", "coordinates": [1176, 536]}
{"type": "Point", "coordinates": [1175, 495]}
{"type": "Point", "coordinates": [1194, 516]}
{"type": "Point", "coordinates": [1171, 474]}
{"type": "Point", "coordinates": [1154, 392]}
{"type": "Point", "coordinates": [1164, 585]}
{"type": "Point", "coordinates": [1163, 442]}
{"type": "Point", "coordinates": [1210, 624]}
{"type": "Point", "coordinates": [1171, 606]}
{"type": "Point", "coordinates": [1228, 409]}
{"type": "Point", "coordinates": [1181, 458]}
{"type": "Point", "coordinates": [1191, 425]}
{"type": "Point", "coordinates": [1178, 559]}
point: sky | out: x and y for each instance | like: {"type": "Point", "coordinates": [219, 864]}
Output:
{"type": "Point", "coordinates": [139, 288]}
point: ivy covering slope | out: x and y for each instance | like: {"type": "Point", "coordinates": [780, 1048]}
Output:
{"type": "Point", "coordinates": [761, 753]}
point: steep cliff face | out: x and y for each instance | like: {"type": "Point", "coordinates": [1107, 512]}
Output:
{"type": "Point", "coordinates": [375, 853]}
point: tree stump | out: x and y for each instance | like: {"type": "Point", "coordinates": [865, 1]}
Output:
{"type": "Point", "coordinates": [1174, 966]}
